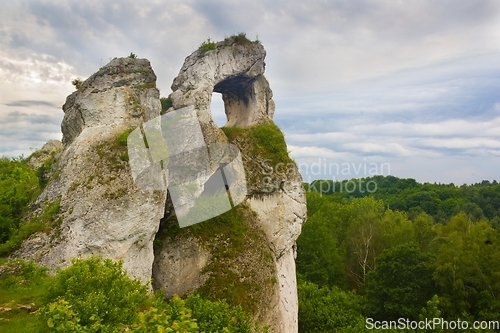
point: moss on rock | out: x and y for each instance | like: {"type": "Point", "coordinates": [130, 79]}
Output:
{"type": "Point", "coordinates": [241, 269]}
{"type": "Point", "coordinates": [264, 153]}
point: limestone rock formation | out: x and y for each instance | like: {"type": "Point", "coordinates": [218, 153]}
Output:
{"type": "Point", "coordinates": [276, 199]}
{"type": "Point", "coordinates": [235, 69]}
{"type": "Point", "coordinates": [102, 212]}
{"type": "Point", "coordinates": [245, 255]}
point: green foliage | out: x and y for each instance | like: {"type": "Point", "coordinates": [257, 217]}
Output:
{"type": "Point", "coordinates": [325, 309]}
{"type": "Point", "coordinates": [132, 56]}
{"type": "Point", "coordinates": [44, 172]}
{"type": "Point", "coordinates": [175, 316]}
{"type": "Point", "coordinates": [232, 132]}
{"type": "Point", "coordinates": [431, 311]}
{"type": "Point", "coordinates": [146, 85]}
{"type": "Point", "coordinates": [320, 254]}
{"type": "Point", "coordinates": [22, 285]}
{"type": "Point", "coordinates": [269, 142]}
{"type": "Point", "coordinates": [19, 272]}
{"type": "Point", "coordinates": [340, 241]}
{"type": "Point", "coordinates": [239, 39]}
{"type": "Point", "coordinates": [94, 293]}
{"type": "Point", "coordinates": [166, 103]}
{"type": "Point", "coordinates": [425, 233]}
{"type": "Point", "coordinates": [236, 39]}
{"type": "Point", "coordinates": [206, 46]}
{"type": "Point", "coordinates": [467, 267]}
{"type": "Point", "coordinates": [20, 185]}
{"type": "Point", "coordinates": [400, 285]}
{"type": "Point", "coordinates": [390, 249]}
{"type": "Point", "coordinates": [220, 317]}
{"type": "Point", "coordinates": [266, 143]}
{"type": "Point", "coordinates": [62, 318]}
{"type": "Point", "coordinates": [441, 201]}
{"type": "Point", "coordinates": [121, 139]}
{"type": "Point", "coordinates": [113, 153]}
{"type": "Point", "coordinates": [77, 83]}
{"type": "Point", "coordinates": [17, 238]}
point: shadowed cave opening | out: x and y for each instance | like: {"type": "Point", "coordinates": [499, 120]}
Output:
{"type": "Point", "coordinates": [236, 103]}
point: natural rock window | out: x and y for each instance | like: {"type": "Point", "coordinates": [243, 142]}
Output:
{"type": "Point", "coordinates": [217, 109]}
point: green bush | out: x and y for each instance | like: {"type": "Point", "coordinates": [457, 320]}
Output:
{"type": "Point", "coordinates": [46, 220]}
{"type": "Point", "coordinates": [77, 83]}
{"type": "Point", "coordinates": [17, 238]}
{"type": "Point", "coordinates": [20, 185]}
{"type": "Point", "coordinates": [94, 293]}
{"type": "Point", "coordinates": [174, 317]}
{"type": "Point", "coordinates": [44, 171]}
{"type": "Point", "coordinates": [240, 39]}
{"type": "Point", "coordinates": [328, 309]}
{"type": "Point", "coordinates": [20, 272]}
{"type": "Point", "coordinates": [220, 317]}
{"type": "Point", "coordinates": [206, 46]}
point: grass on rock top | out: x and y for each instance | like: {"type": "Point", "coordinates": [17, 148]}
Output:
{"type": "Point", "coordinates": [264, 140]}
{"type": "Point", "coordinates": [238, 39]}
{"type": "Point", "coordinates": [264, 151]}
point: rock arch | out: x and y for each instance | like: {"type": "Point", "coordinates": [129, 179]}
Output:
{"type": "Point", "coordinates": [236, 70]}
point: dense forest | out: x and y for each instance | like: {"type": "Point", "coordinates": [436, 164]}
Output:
{"type": "Point", "coordinates": [401, 250]}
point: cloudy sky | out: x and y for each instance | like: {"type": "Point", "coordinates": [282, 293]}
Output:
{"type": "Point", "coordinates": [410, 88]}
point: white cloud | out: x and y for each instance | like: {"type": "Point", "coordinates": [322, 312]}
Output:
{"type": "Point", "coordinates": [313, 151]}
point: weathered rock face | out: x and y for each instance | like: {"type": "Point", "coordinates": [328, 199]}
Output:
{"type": "Point", "coordinates": [122, 93]}
{"type": "Point", "coordinates": [275, 199]}
{"type": "Point", "coordinates": [49, 150]}
{"type": "Point", "coordinates": [234, 69]}
{"type": "Point", "coordinates": [245, 255]}
{"type": "Point", "coordinates": [102, 211]}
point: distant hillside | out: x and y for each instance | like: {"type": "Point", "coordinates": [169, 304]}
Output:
{"type": "Point", "coordinates": [441, 201]}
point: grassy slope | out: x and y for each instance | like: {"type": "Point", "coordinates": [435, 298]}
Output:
{"type": "Point", "coordinates": [21, 285]}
